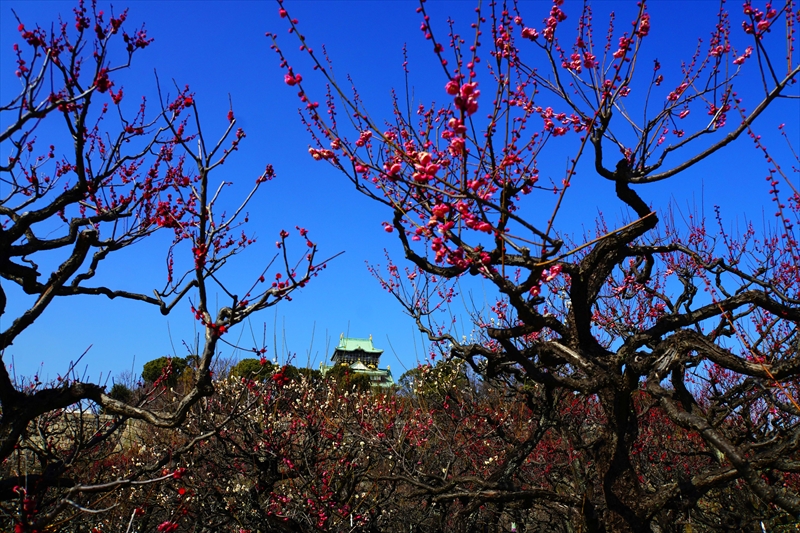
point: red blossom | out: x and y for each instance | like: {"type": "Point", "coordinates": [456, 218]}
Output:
{"type": "Point", "coordinates": [101, 82]}
{"type": "Point", "coordinates": [292, 79]}
{"type": "Point", "coordinates": [452, 87]}
{"type": "Point", "coordinates": [116, 97]}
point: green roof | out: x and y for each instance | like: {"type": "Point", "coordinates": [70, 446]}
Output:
{"type": "Point", "coordinates": [350, 344]}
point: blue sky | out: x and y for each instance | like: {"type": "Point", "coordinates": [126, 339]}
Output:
{"type": "Point", "coordinates": [219, 49]}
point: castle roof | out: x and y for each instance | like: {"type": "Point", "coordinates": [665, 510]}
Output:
{"type": "Point", "coordinates": [352, 344]}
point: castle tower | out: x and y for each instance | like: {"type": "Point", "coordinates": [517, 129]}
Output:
{"type": "Point", "coordinates": [363, 358]}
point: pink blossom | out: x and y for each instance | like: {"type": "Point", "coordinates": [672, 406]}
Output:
{"type": "Point", "coordinates": [467, 99]}
{"type": "Point", "coordinates": [456, 146]}
{"type": "Point", "coordinates": [552, 273]}
{"type": "Point", "coordinates": [456, 125]}
{"type": "Point", "coordinates": [739, 60]}
{"type": "Point", "coordinates": [394, 169]}
{"type": "Point", "coordinates": [644, 25]}
{"type": "Point", "coordinates": [440, 210]}
{"type": "Point", "coordinates": [674, 95]}
{"type": "Point", "coordinates": [292, 79]}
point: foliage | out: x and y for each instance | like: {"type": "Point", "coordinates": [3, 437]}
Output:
{"type": "Point", "coordinates": [646, 323]}
{"type": "Point", "coordinates": [121, 392]}
{"type": "Point", "coordinates": [166, 369]}
{"type": "Point", "coordinates": [252, 368]}
{"type": "Point", "coordinates": [300, 373]}
{"type": "Point", "coordinates": [347, 379]}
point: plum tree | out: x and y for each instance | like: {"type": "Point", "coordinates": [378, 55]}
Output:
{"type": "Point", "coordinates": [692, 322]}
{"type": "Point", "coordinates": [127, 172]}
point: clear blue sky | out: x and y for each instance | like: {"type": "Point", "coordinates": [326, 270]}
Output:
{"type": "Point", "coordinates": [219, 48]}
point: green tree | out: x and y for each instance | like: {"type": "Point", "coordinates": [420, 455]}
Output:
{"type": "Point", "coordinates": [252, 368]}
{"type": "Point", "coordinates": [121, 392]}
{"type": "Point", "coordinates": [347, 379]}
{"type": "Point", "coordinates": [155, 369]}
{"type": "Point", "coordinates": [295, 373]}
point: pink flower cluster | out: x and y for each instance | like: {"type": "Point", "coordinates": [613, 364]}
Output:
{"type": "Point", "coordinates": [425, 168]}
{"type": "Point", "coordinates": [674, 95]}
{"type": "Point", "coordinates": [322, 154]}
{"type": "Point", "coordinates": [455, 134]}
{"type": "Point", "coordinates": [547, 276]}
{"type": "Point", "coordinates": [747, 52]}
{"type": "Point", "coordinates": [548, 115]}
{"type": "Point", "coordinates": [556, 16]}
{"type": "Point", "coordinates": [466, 95]}
{"type": "Point", "coordinates": [292, 79]}
{"type": "Point", "coordinates": [760, 21]}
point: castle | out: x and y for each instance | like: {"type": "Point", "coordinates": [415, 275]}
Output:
{"type": "Point", "coordinates": [362, 358]}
